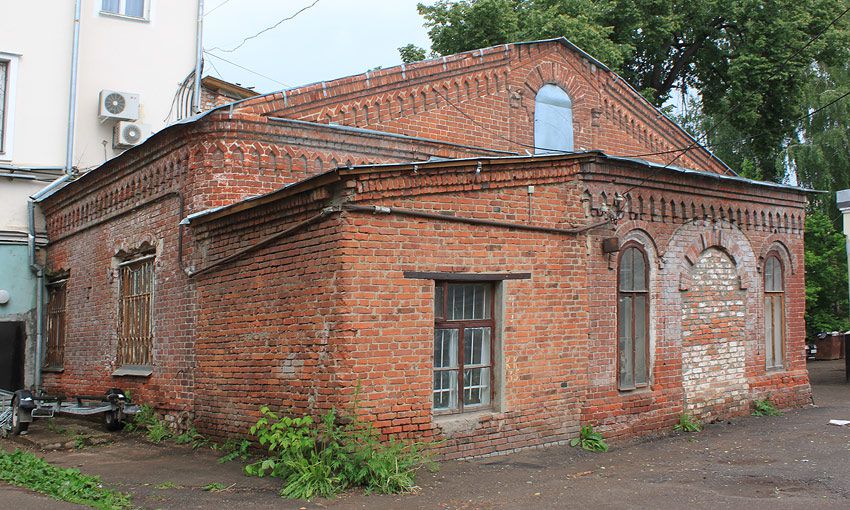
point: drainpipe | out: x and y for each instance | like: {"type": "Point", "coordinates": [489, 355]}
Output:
{"type": "Point", "coordinates": [72, 92]}
{"type": "Point", "coordinates": [199, 56]}
{"type": "Point", "coordinates": [36, 268]}
{"type": "Point", "coordinates": [39, 293]}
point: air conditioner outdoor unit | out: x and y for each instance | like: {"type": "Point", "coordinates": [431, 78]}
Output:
{"type": "Point", "coordinates": [119, 105]}
{"type": "Point", "coordinates": [129, 134]}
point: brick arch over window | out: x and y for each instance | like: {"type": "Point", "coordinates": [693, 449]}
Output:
{"type": "Point", "coordinates": [722, 240]}
{"type": "Point", "coordinates": [644, 234]}
{"type": "Point", "coordinates": [583, 94]}
{"type": "Point", "coordinates": [773, 244]}
{"type": "Point", "coordinates": [684, 248]}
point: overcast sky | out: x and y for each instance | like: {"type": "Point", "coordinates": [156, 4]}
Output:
{"type": "Point", "coordinates": [332, 39]}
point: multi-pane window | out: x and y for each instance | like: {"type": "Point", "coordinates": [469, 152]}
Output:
{"type": "Point", "coordinates": [131, 8]}
{"type": "Point", "coordinates": [135, 317]}
{"type": "Point", "coordinates": [632, 315]}
{"type": "Point", "coordinates": [4, 80]}
{"type": "Point", "coordinates": [463, 346]}
{"type": "Point", "coordinates": [774, 312]}
{"type": "Point", "coordinates": [54, 356]}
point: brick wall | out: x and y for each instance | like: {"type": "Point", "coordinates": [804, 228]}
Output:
{"type": "Point", "coordinates": [557, 367]}
{"type": "Point", "coordinates": [713, 339]}
{"type": "Point", "coordinates": [486, 98]}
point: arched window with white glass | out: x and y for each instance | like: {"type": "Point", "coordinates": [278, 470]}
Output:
{"type": "Point", "coordinates": [553, 121]}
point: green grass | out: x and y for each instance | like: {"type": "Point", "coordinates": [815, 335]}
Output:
{"type": "Point", "coordinates": [27, 470]}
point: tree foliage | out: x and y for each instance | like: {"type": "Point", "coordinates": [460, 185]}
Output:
{"type": "Point", "coordinates": [826, 276]}
{"type": "Point", "coordinates": [750, 61]}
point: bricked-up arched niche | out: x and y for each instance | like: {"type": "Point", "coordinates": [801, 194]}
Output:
{"type": "Point", "coordinates": [553, 120]}
{"type": "Point", "coordinates": [698, 252]}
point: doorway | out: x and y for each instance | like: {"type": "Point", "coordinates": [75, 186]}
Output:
{"type": "Point", "coordinates": [11, 355]}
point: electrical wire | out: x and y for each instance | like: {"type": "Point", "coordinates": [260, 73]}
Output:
{"type": "Point", "coordinates": [231, 50]}
{"type": "Point", "coordinates": [222, 4]}
{"type": "Point", "coordinates": [246, 69]}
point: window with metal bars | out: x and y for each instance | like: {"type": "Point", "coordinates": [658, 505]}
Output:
{"type": "Point", "coordinates": [774, 312]}
{"type": "Point", "coordinates": [464, 339]}
{"type": "Point", "coordinates": [135, 316]}
{"type": "Point", "coordinates": [632, 318]}
{"type": "Point", "coordinates": [54, 356]}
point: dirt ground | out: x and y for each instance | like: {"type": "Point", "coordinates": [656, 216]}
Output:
{"type": "Point", "coordinates": [793, 461]}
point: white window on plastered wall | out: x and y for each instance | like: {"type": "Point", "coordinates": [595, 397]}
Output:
{"type": "Point", "coordinates": [553, 121]}
{"type": "Point", "coordinates": [8, 71]}
{"type": "Point", "coordinates": [129, 8]}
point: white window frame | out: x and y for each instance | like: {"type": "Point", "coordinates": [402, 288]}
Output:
{"type": "Point", "coordinates": [122, 9]}
{"type": "Point", "coordinates": [8, 131]}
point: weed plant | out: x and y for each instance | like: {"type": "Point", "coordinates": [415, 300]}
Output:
{"type": "Point", "coordinates": [765, 408]}
{"type": "Point", "coordinates": [590, 440]}
{"type": "Point", "coordinates": [688, 423]}
{"type": "Point", "coordinates": [325, 457]}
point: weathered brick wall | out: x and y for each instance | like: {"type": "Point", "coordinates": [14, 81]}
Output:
{"type": "Point", "coordinates": [268, 325]}
{"type": "Point", "coordinates": [677, 218]}
{"type": "Point", "coordinates": [713, 339]}
{"type": "Point", "coordinates": [139, 206]}
{"type": "Point", "coordinates": [486, 98]}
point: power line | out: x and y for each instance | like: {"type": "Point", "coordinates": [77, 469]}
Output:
{"type": "Point", "coordinates": [222, 4]}
{"type": "Point", "coordinates": [231, 50]}
{"type": "Point", "coordinates": [246, 69]}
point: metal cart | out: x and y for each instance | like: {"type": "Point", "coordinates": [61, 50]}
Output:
{"type": "Point", "coordinates": [18, 409]}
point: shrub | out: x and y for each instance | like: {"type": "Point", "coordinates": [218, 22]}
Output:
{"type": "Point", "coordinates": [765, 408]}
{"type": "Point", "coordinates": [688, 423]}
{"type": "Point", "coordinates": [325, 457]}
{"type": "Point", "coordinates": [590, 440]}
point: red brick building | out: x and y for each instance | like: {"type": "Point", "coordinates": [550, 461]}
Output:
{"type": "Point", "coordinates": [491, 248]}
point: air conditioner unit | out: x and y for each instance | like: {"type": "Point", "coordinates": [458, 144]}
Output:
{"type": "Point", "coordinates": [129, 134]}
{"type": "Point", "coordinates": [119, 105]}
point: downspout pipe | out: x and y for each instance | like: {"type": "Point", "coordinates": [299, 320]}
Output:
{"type": "Point", "coordinates": [199, 59]}
{"type": "Point", "coordinates": [38, 270]}
{"type": "Point", "coordinates": [72, 91]}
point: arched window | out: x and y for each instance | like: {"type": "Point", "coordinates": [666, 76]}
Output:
{"type": "Point", "coordinates": [553, 120]}
{"type": "Point", "coordinates": [774, 312]}
{"type": "Point", "coordinates": [633, 318]}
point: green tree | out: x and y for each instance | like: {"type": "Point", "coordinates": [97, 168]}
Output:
{"type": "Point", "coordinates": [826, 276]}
{"type": "Point", "coordinates": [820, 150]}
{"type": "Point", "coordinates": [749, 61]}
{"type": "Point", "coordinates": [411, 53]}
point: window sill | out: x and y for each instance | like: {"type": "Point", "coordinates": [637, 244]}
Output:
{"type": "Point", "coordinates": [52, 370]}
{"type": "Point", "coordinates": [124, 16]}
{"type": "Point", "coordinates": [461, 422]}
{"type": "Point", "coordinates": [635, 391]}
{"type": "Point", "coordinates": [133, 371]}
